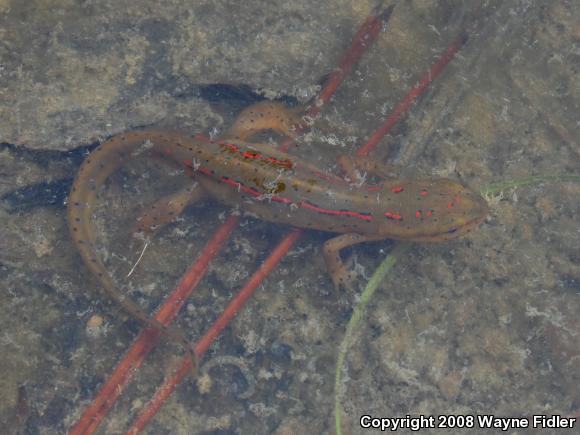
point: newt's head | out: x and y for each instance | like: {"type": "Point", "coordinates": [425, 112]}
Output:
{"type": "Point", "coordinates": [433, 210]}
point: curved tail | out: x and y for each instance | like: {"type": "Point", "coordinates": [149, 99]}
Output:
{"type": "Point", "coordinates": [93, 173]}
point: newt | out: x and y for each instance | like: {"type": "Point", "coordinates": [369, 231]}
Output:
{"type": "Point", "coordinates": [273, 186]}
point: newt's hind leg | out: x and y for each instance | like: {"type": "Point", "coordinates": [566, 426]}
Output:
{"type": "Point", "coordinates": [341, 277]}
{"type": "Point", "coordinates": [263, 116]}
{"type": "Point", "coordinates": [167, 209]}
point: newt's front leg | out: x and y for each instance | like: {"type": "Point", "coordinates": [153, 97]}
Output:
{"type": "Point", "coordinates": [262, 116]}
{"type": "Point", "coordinates": [341, 276]}
{"type": "Point", "coordinates": [352, 166]}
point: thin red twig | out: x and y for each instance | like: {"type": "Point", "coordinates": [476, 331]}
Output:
{"type": "Point", "coordinates": [114, 386]}
{"type": "Point", "coordinates": [365, 36]}
{"type": "Point", "coordinates": [170, 383]}
{"type": "Point", "coordinates": [133, 359]}
{"type": "Point", "coordinates": [405, 104]}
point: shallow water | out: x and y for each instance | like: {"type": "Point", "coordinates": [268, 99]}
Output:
{"type": "Point", "coordinates": [482, 325]}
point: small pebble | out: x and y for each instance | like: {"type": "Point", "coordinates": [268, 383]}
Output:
{"type": "Point", "coordinates": [95, 325]}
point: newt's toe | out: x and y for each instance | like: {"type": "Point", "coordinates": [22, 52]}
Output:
{"type": "Point", "coordinates": [343, 278]}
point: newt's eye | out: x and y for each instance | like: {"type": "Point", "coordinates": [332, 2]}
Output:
{"type": "Point", "coordinates": [452, 230]}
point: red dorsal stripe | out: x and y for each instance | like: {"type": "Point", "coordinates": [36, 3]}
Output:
{"type": "Point", "coordinates": [364, 216]}
{"type": "Point", "coordinates": [393, 216]}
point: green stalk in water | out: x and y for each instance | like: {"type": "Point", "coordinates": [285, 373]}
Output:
{"type": "Point", "coordinates": [400, 249]}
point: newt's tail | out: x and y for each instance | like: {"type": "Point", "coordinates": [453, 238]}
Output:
{"type": "Point", "coordinates": [93, 173]}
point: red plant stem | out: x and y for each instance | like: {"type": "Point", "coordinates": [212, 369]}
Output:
{"type": "Point", "coordinates": [165, 390]}
{"type": "Point", "coordinates": [117, 382]}
{"type": "Point", "coordinates": [405, 104]}
{"type": "Point", "coordinates": [170, 383]}
{"type": "Point", "coordinates": [133, 359]}
{"type": "Point", "coordinates": [365, 36]}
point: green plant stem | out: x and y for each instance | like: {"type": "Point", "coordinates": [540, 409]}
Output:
{"type": "Point", "coordinates": [401, 249]}
{"type": "Point", "coordinates": [526, 181]}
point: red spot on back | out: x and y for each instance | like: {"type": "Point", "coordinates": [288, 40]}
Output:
{"type": "Point", "coordinates": [393, 216]}
{"type": "Point", "coordinates": [252, 155]}
{"type": "Point", "coordinates": [397, 189]}
{"type": "Point", "coordinates": [231, 147]}
{"type": "Point", "coordinates": [286, 163]}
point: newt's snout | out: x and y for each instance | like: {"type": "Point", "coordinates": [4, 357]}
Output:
{"type": "Point", "coordinates": [432, 209]}
{"type": "Point", "coordinates": [459, 210]}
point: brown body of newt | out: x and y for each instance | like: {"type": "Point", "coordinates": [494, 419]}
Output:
{"type": "Point", "coordinates": [273, 186]}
